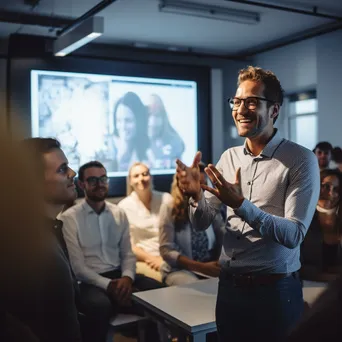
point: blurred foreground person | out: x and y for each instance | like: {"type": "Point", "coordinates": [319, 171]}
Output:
{"type": "Point", "coordinates": [22, 242]}
{"type": "Point", "coordinates": [41, 292]}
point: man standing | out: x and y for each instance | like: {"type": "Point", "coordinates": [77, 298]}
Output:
{"type": "Point", "coordinates": [270, 186]}
{"type": "Point", "coordinates": [55, 316]}
{"type": "Point", "coordinates": [98, 240]}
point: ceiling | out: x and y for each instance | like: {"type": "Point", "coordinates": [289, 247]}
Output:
{"type": "Point", "coordinates": [139, 23]}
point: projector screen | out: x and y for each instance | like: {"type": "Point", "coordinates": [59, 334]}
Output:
{"type": "Point", "coordinates": [116, 120]}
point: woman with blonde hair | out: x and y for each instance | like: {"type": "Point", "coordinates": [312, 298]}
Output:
{"type": "Point", "coordinates": [142, 206]}
{"type": "Point", "coordinates": [190, 254]}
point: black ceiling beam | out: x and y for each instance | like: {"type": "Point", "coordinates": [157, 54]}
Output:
{"type": "Point", "coordinates": [313, 13]}
{"type": "Point", "coordinates": [93, 11]}
{"type": "Point", "coordinates": [34, 19]}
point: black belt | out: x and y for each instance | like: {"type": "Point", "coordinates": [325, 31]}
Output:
{"type": "Point", "coordinates": [244, 280]}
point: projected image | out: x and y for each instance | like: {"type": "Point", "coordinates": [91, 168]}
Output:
{"type": "Point", "coordinates": [116, 120]}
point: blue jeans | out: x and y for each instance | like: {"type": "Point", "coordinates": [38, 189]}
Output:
{"type": "Point", "coordinates": [258, 312]}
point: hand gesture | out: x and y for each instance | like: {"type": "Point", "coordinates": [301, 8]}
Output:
{"type": "Point", "coordinates": [228, 193]}
{"type": "Point", "coordinates": [154, 262]}
{"type": "Point", "coordinates": [189, 177]}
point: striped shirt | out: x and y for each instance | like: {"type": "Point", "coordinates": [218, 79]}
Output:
{"type": "Point", "coordinates": [281, 189]}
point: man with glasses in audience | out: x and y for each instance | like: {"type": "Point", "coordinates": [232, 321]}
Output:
{"type": "Point", "coordinates": [270, 187]}
{"type": "Point", "coordinates": [98, 240]}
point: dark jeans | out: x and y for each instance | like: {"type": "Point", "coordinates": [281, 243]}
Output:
{"type": "Point", "coordinates": [258, 312]}
{"type": "Point", "coordinates": [98, 307]}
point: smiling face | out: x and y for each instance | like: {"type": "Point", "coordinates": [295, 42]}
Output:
{"type": "Point", "coordinates": [125, 123]}
{"type": "Point", "coordinates": [323, 157]}
{"type": "Point", "coordinates": [256, 122]}
{"type": "Point", "coordinates": [59, 185]}
{"type": "Point", "coordinates": [330, 191]}
{"type": "Point", "coordinates": [140, 178]}
{"type": "Point", "coordinates": [95, 184]}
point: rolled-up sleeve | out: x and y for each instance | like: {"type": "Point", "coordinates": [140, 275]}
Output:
{"type": "Point", "coordinates": [300, 203]}
{"type": "Point", "coordinates": [128, 259]}
{"type": "Point", "coordinates": [169, 250]}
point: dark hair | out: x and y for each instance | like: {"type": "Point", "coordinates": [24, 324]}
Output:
{"type": "Point", "coordinates": [324, 146]}
{"type": "Point", "coordinates": [332, 172]}
{"type": "Point", "coordinates": [41, 145]}
{"type": "Point", "coordinates": [88, 165]}
{"type": "Point", "coordinates": [134, 103]}
{"type": "Point", "coordinates": [36, 148]}
{"type": "Point", "coordinates": [273, 89]}
{"type": "Point", "coordinates": [337, 155]}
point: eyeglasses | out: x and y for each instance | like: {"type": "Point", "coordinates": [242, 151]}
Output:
{"type": "Point", "coordinates": [97, 180]}
{"type": "Point", "coordinates": [250, 103]}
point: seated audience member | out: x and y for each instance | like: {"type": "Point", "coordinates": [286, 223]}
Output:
{"type": "Point", "coordinates": [142, 206]}
{"type": "Point", "coordinates": [321, 248]}
{"type": "Point", "coordinates": [323, 151]}
{"type": "Point", "coordinates": [22, 242]}
{"type": "Point", "coordinates": [53, 309]}
{"type": "Point", "coordinates": [337, 158]}
{"type": "Point", "coordinates": [97, 236]}
{"type": "Point", "coordinates": [190, 253]}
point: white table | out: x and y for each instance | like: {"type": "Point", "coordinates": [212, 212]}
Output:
{"type": "Point", "coordinates": [191, 308]}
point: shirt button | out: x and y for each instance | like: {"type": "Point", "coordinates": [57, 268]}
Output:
{"type": "Point", "coordinates": [238, 238]}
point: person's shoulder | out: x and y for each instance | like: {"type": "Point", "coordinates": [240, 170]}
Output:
{"type": "Point", "coordinates": [115, 209]}
{"type": "Point", "coordinates": [73, 211]}
{"type": "Point", "coordinates": [233, 151]}
{"type": "Point", "coordinates": [126, 202]}
{"type": "Point", "coordinates": [296, 151]}
{"type": "Point", "coordinates": [164, 197]}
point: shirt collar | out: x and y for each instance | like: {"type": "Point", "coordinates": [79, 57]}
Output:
{"type": "Point", "coordinates": [270, 148]}
{"type": "Point", "coordinates": [89, 209]}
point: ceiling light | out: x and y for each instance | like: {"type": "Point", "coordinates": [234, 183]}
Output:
{"type": "Point", "coordinates": [208, 11]}
{"type": "Point", "coordinates": [79, 36]}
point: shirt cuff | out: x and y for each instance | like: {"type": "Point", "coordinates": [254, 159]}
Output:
{"type": "Point", "coordinates": [128, 273]}
{"type": "Point", "coordinates": [250, 213]}
{"type": "Point", "coordinates": [103, 283]}
{"type": "Point", "coordinates": [172, 258]}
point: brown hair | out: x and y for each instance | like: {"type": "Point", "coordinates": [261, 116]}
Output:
{"type": "Point", "coordinates": [129, 188]}
{"type": "Point", "coordinates": [180, 204]}
{"type": "Point", "coordinates": [273, 89]}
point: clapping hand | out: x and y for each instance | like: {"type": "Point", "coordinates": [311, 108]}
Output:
{"type": "Point", "coordinates": [228, 193]}
{"type": "Point", "coordinates": [189, 177]}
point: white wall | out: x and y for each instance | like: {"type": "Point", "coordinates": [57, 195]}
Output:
{"type": "Point", "coordinates": [329, 87]}
{"type": "Point", "coordinates": [296, 67]}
